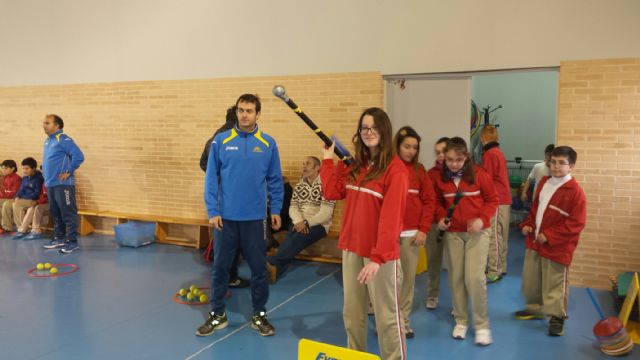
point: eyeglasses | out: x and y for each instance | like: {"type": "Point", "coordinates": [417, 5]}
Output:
{"type": "Point", "coordinates": [558, 162]}
{"type": "Point", "coordinates": [371, 130]}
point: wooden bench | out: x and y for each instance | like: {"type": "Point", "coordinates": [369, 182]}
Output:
{"type": "Point", "coordinates": [162, 226]}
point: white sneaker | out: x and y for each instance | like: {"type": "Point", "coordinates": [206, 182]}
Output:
{"type": "Point", "coordinates": [460, 332]}
{"type": "Point", "coordinates": [483, 337]}
{"type": "Point", "coordinates": [432, 303]}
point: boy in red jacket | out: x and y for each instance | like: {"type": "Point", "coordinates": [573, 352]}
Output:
{"type": "Point", "coordinates": [10, 186]}
{"type": "Point", "coordinates": [552, 231]}
{"type": "Point", "coordinates": [495, 164]}
{"type": "Point", "coordinates": [433, 247]}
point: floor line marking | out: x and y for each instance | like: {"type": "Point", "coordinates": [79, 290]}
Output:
{"type": "Point", "coordinates": [268, 312]}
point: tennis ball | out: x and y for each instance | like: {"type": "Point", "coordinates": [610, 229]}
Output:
{"type": "Point", "coordinates": [53, 271]}
{"type": "Point", "coordinates": [190, 296]}
{"type": "Point", "coordinates": [192, 287]}
{"type": "Point", "coordinates": [203, 298]}
{"type": "Point", "coordinates": [182, 292]}
{"type": "Point", "coordinates": [196, 292]}
{"type": "Point", "coordinates": [47, 266]}
{"type": "Point", "coordinates": [40, 266]}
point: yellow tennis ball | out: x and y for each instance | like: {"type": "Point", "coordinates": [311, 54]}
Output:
{"type": "Point", "coordinates": [196, 292]}
{"type": "Point", "coordinates": [190, 296]}
{"type": "Point", "coordinates": [54, 271]}
{"type": "Point", "coordinates": [192, 287]}
{"type": "Point", "coordinates": [203, 298]}
{"type": "Point", "coordinates": [182, 292]}
{"type": "Point", "coordinates": [47, 266]}
{"type": "Point", "coordinates": [40, 266]}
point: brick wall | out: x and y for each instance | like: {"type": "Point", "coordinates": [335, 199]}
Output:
{"type": "Point", "coordinates": [143, 140]}
{"type": "Point", "coordinates": [599, 115]}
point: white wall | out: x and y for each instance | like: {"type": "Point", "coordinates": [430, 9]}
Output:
{"type": "Point", "coordinates": [528, 117]}
{"type": "Point", "coordinates": [433, 107]}
{"type": "Point", "coordinates": [78, 41]}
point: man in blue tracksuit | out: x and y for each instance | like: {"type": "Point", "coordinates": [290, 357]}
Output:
{"type": "Point", "coordinates": [243, 170]}
{"type": "Point", "coordinates": [61, 158]}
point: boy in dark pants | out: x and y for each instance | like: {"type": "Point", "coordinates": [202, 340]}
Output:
{"type": "Point", "coordinates": [242, 171]}
{"type": "Point", "coordinates": [61, 158]}
{"type": "Point", "coordinates": [552, 231]}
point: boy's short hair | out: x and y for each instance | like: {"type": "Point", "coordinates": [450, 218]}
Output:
{"type": "Point", "coordinates": [251, 99]}
{"type": "Point", "coordinates": [549, 149]}
{"type": "Point", "coordinates": [565, 151]}
{"type": "Point", "coordinates": [443, 139]}
{"type": "Point", "coordinates": [57, 120]}
{"type": "Point", "coordinates": [10, 164]}
{"type": "Point", "coordinates": [30, 162]}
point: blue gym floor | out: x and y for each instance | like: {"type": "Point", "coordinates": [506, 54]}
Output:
{"type": "Point", "coordinates": [119, 306]}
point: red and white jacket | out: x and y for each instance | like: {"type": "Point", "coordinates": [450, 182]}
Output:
{"type": "Point", "coordinates": [562, 221]}
{"type": "Point", "coordinates": [421, 200]}
{"type": "Point", "coordinates": [495, 164]}
{"type": "Point", "coordinates": [479, 200]}
{"type": "Point", "coordinates": [10, 186]}
{"type": "Point", "coordinates": [434, 174]}
{"type": "Point", "coordinates": [373, 212]}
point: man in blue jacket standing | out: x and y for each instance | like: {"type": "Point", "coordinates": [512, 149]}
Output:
{"type": "Point", "coordinates": [60, 160]}
{"type": "Point", "coordinates": [247, 164]}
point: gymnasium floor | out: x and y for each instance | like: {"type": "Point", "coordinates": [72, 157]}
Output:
{"type": "Point", "coordinates": [119, 306]}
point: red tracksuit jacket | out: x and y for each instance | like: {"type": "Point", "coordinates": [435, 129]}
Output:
{"type": "Point", "coordinates": [479, 200]}
{"type": "Point", "coordinates": [434, 174]}
{"type": "Point", "coordinates": [563, 220]}
{"type": "Point", "coordinates": [10, 186]}
{"type": "Point", "coordinates": [421, 200]}
{"type": "Point", "coordinates": [495, 164]}
{"type": "Point", "coordinates": [373, 212]}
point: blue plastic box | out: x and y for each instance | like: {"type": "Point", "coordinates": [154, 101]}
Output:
{"type": "Point", "coordinates": [135, 233]}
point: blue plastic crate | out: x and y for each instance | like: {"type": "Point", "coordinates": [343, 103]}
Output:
{"type": "Point", "coordinates": [135, 233]}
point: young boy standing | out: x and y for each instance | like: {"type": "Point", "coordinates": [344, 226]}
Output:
{"type": "Point", "coordinates": [552, 231]}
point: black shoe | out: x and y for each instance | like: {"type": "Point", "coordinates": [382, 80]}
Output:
{"type": "Point", "coordinates": [259, 322]}
{"type": "Point", "coordinates": [410, 334]}
{"type": "Point", "coordinates": [239, 283]}
{"type": "Point", "coordinates": [526, 315]}
{"type": "Point", "coordinates": [213, 323]}
{"type": "Point", "coordinates": [556, 326]}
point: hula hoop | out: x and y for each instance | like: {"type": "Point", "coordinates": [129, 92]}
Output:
{"type": "Point", "coordinates": [35, 273]}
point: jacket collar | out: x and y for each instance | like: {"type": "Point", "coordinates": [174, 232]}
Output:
{"type": "Point", "coordinates": [240, 132]}
{"type": "Point", "coordinates": [490, 145]}
{"type": "Point", "coordinates": [55, 134]}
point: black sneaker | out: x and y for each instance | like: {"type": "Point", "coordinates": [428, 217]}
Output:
{"type": "Point", "coordinates": [526, 315]}
{"type": "Point", "coordinates": [69, 247]}
{"type": "Point", "coordinates": [556, 326]}
{"type": "Point", "coordinates": [239, 283]}
{"type": "Point", "coordinates": [259, 322]}
{"type": "Point", "coordinates": [55, 243]}
{"type": "Point", "coordinates": [213, 323]}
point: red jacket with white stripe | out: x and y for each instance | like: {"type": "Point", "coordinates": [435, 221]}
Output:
{"type": "Point", "coordinates": [373, 212]}
{"type": "Point", "coordinates": [479, 200]}
{"type": "Point", "coordinates": [10, 186]}
{"type": "Point", "coordinates": [495, 164]}
{"type": "Point", "coordinates": [434, 174]}
{"type": "Point", "coordinates": [562, 221]}
{"type": "Point", "coordinates": [421, 200]}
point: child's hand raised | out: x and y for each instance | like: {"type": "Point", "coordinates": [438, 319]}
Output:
{"type": "Point", "coordinates": [327, 152]}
